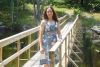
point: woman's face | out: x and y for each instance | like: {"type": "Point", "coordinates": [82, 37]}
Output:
{"type": "Point", "coordinates": [49, 13]}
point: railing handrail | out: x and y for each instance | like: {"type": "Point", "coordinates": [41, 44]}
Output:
{"type": "Point", "coordinates": [13, 38]}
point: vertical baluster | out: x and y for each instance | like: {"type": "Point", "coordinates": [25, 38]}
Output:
{"type": "Point", "coordinates": [74, 30]}
{"type": "Point", "coordinates": [52, 58]}
{"type": "Point", "coordinates": [29, 41]}
{"type": "Point", "coordinates": [67, 48]}
{"type": "Point", "coordinates": [66, 52]}
{"type": "Point", "coordinates": [72, 35]}
{"type": "Point", "coordinates": [18, 48]}
{"type": "Point", "coordinates": [60, 56]}
{"type": "Point", "coordinates": [71, 38]}
{"type": "Point", "coordinates": [68, 44]}
{"type": "Point", "coordinates": [70, 41]}
{"type": "Point", "coordinates": [1, 54]}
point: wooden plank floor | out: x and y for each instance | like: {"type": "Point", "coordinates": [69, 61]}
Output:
{"type": "Point", "coordinates": [34, 61]}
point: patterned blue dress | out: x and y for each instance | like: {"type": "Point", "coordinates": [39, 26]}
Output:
{"type": "Point", "coordinates": [49, 37]}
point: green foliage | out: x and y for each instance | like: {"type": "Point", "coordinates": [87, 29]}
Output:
{"type": "Point", "coordinates": [94, 6]}
{"type": "Point", "coordinates": [5, 18]}
{"type": "Point", "coordinates": [88, 22]}
{"type": "Point", "coordinates": [87, 49]}
{"type": "Point", "coordinates": [16, 28]}
{"type": "Point", "coordinates": [91, 57]}
{"type": "Point", "coordinates": [60, 11]}
{"type": "Point", "coordinates": [77, 11]}
{"type": "Point", "coordinates": [4, 4]}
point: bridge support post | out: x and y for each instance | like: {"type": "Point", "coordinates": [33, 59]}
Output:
{"type": "Point", "coordinates": [52, 59]}
{"type": "Point", "coordinates": [60, 56]}
{"type": "Point", "coordinates": [18, 48]}
{"type": "Point", "coordinates": [67, 48]}
{"type": "Point", "coordinates": [29, 51]}
{"type": "Point", "coordinates": [68, 43]}
{"type": "Point", "coordinates": [0, 54]}
{"type": "Point", "coordinates": [66, 52]}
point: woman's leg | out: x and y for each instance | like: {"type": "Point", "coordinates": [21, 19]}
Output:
{"type": "Point", "coordinates": [46, 65]}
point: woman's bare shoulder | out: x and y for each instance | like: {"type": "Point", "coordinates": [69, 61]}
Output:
{"type": "Point", "coordinates": [43, 22]}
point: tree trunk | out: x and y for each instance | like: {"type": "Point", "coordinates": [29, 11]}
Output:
{"type": "Point", "coordinates": [23, 5]}
{"type": "Point", "coordinates": [34, 12]}
{"type": "Point", "coordinates": [82, 2]}
{"type": "Point", "coordinates": [17, 11]}
{"type": "Point", "coordinates": [37, 16]}
{"type": "Point", "coordinates": [12, 11]}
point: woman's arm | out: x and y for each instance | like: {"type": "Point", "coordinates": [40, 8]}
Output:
{"type": "Point", "coordinates": [41, 30]}
{"type": "Point", "coordinates": [59, 31]}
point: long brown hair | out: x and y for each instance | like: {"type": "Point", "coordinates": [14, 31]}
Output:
{"type": "Point", "coordinates": [54, 17]}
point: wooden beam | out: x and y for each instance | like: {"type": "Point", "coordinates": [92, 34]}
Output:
{"type": "Point", "coordinates": [52, 59]}
{"type": "Point", "coordinates": [18, 48]}
{"type": "Point", "coordinates": [60, 56]}
{"type": "Point", "coordinates": [29, 51]}
{"type": "Point", "coordinates": [0, 54]}
{"type": "Point", "coordinates": [66, 52]}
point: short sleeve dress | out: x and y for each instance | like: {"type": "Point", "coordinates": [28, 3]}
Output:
{"type": "Point", "coordinates": [49, 37]}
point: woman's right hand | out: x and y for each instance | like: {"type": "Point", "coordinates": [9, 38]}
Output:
{"type": "Point", "coordinates": [41, 50]}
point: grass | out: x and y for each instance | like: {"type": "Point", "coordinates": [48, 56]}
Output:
{"type": "Point", "coordinates": [61, 11]}
{"type": "Point", "coordinates": [7, 52]}
{"type": "Point", "coordinates": [96, 55]}
{"type": "Point", "coordinates": [90, 19]}
{"type": "Point", "coordinates": [97, 16]}
{"type": "Point", "coordinates": [59, 1]}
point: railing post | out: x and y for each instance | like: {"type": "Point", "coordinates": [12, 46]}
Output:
{"type": "Point", "coordinates": [29, 51]}
{"type": "Point", "coordinates": [18, 48]}
{"type": "Point", "coordinates": [75, 29]}
{"type": "Point", "coordinates": [70, 44]}
{"type": "Point", "coordinates": [60, 56]}
{"type": "Point", "coordinates": [72, 35]}
{"type": "Point", "coordinates": [68, 40]}
{"type": "Point", "coordinates": [0, 54]}
{"type": "Point", "coordinates": [66, 52]}
{"type": "Point", "coordinates": [67, 48]}
{"type": "Point", "coordinates": [52, 58]}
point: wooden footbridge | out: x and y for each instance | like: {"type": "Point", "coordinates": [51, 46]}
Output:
{"type": "Point", "coordinates": [68, 49]}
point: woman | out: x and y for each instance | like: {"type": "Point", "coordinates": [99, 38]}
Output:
{"type": "Point", "coordinates": [47, 35]}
